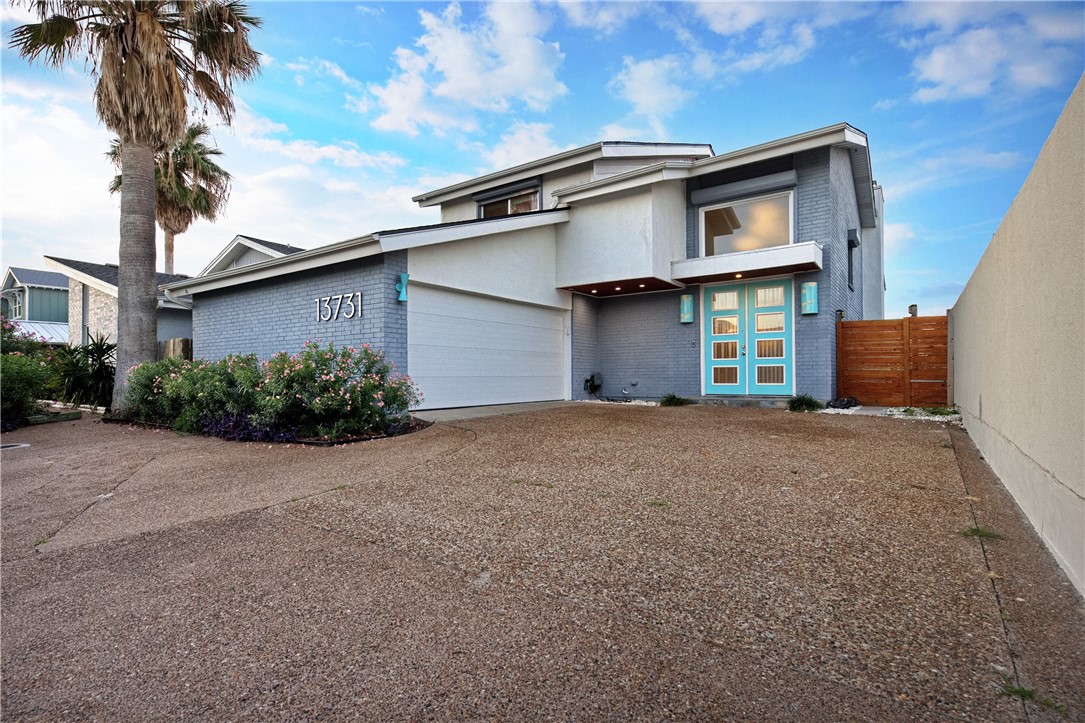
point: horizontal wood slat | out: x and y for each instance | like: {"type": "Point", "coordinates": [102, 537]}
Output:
{"type": "Point", "coordinates": [896, 363]}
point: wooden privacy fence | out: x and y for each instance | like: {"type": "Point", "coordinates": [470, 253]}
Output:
{"type": "Point", "coordinates": [896, 363]}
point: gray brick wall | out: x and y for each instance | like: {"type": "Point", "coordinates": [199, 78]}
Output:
{"type": "Point", "coordinates": [585, 342]}
{"type": "Point", "coordinates": [265, 317]}
{"type": "Point", "coordinates": [826, 209]}
{"type": "Point", "coordinates": [639, 339]}
{"type": "Point", "coordinates": [174, 324]}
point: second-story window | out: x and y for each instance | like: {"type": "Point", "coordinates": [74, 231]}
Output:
{"type": "Point", "coordinates": [524, 202]}
{"type": "Point", "coordinates": [747, 225]}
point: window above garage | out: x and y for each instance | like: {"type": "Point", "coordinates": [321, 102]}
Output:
{"type": "Point", "coordinates": [510, 200]}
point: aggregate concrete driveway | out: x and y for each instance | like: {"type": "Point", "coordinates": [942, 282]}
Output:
{"type": "Point", "coordinates": [585, 562]}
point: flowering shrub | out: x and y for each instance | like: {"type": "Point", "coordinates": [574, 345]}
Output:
{"type": "Point", "coordinates": [320, 392]}
{"type": "Point", "coordinates": [13, 340]}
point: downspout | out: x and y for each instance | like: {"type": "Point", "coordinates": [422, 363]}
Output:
{"type": "Point", "coordinates": [170, 297]}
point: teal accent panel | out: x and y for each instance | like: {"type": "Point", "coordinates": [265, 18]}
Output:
{"type": "Point", "coordinates": [809, 293]}
{"type": "Point", "coordinates": [685, 314]}
{"type": "Point", "coordinates": [48, 305]}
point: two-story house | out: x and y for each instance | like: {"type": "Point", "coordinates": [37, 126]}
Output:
{"type": "Point", "coordinates": [654, 267]}
{"type": "Point", "coordinates": [37, 302]}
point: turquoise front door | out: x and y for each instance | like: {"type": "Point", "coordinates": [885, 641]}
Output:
{"type": "Point", "coordinates": [749, 338]}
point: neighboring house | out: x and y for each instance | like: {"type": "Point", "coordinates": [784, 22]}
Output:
{"type": "Point", "coordinates": [661, 267]}
{"type": "Point", "coordinates": [92, 302]}
{"type": "Point", "coordinates": [37, 301]}
{"type": "Point", "coordinates": [246, 250]}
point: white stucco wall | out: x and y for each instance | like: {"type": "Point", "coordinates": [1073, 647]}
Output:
{"type": "Point", "coordinates": [607, 239]}
{"type": "Point", "coordinates": [463, 209]}
{"type": "Point", "coordinates": [518, 265]}
{"type": "Point", "coordinates": [873, 253]}
{"type": "Point", "coordinates": [1019, 345]}
{"type": "Point", "coordinates": [668, 226]}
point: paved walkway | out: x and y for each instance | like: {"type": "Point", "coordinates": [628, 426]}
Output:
{"type": "Point", "coordinates": [585, 561]}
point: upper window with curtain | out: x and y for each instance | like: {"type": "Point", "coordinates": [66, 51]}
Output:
{"type": "Point", "coordinates": [747, 225]}
{"type": "Point", "coordinates": [510, 206]}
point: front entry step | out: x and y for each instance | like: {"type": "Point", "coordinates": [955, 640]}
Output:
{"type": "Point", "coordinates": [762, 402]}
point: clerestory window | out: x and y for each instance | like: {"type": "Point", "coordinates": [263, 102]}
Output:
{"type": "Point", "coordinates": [520, 203]}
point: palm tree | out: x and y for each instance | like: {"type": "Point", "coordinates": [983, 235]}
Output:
{"type": "Point", "coordinates": [188, 184]}
{"type": "Point", "coordinates": [149, 57]}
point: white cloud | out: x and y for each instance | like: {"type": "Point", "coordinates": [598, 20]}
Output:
{"type": "Point", "coordinates": [619, 132]}
{"type": "Point", "coordinates": [493, 65]}
{"type": "Point", "coordinates": [996, 51]}
{"type": "Point", "coordinates": [604, 17]}
{"type": "Point", "coordinates": [14, 15]}
{"type": "Point", "coordinates": [522, 142]}
{"type": "Point", "coordinates": [54, 182]}
{"type": "Point", "coordinates": [259, 133]}
{"type": "Point", "coordinates": [372, 12]}
{"type": "Point", "coordinates": [965, 67]}
{"type": "Point", "coordinates": [653, 86]}
{"type": "Point", "coordinates": [895, 236]}
{"type": "Point", "coordinates": [885, 104]}
{"type": "Point", "coordinates": [734, 18]}
{"type": "Point", "coordinates": [776, 52]}
{"type": "Point", "coordinates": [956, 167]}
{"type": "Point", "coordinates": [405, 103]}
{"type": "Point", "coordinates": [296, 190]}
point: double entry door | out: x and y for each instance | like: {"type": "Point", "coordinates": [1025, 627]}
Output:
{"type": "Point", "coordinates": [749, 338]}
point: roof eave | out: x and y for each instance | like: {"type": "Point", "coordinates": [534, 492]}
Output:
{"type": "Point", "coordinates": [638, 177]}
{"type": "Point", "coordinates": [83, 278]}
{"type": "Point", "coordinates": [509, 175]}
{"type": "Point", "coordinates": [342, 251]}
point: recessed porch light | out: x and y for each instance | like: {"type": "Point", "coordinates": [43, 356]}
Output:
{"type": "Point", "coordinates": [594, 291]}
{"type": "Point", "coordinates": [642, 286]}
{"type": "Point", "coordinates": [617, 288]}
{"type": "Point", "coordinates": [738, 276]}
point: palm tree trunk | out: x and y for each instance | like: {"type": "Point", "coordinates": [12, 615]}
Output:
{"type": "Point", "coordinates": [168, 248]}
{"type": "Point", "coordinates": [137, 322]}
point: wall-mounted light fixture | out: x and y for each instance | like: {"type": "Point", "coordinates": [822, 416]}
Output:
{"type": "Point", "coordinates": [401, 286]}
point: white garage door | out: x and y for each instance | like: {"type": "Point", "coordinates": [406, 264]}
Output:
{"type": "Point", "coordinates": [465, 350]}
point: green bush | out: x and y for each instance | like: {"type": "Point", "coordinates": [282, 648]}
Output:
{"type": "Point", "coordinates": [673, 400]}
{"type": "Point", "coordinates": [22, 379]}
{"type": "Point", "coordinates": [320, 392]}
{"type": "Point", "coordinates": [803, 403]}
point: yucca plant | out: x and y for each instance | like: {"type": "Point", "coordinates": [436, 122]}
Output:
{"type": "Point", "coordinates": [86, 372]}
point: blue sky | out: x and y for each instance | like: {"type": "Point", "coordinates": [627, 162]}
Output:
{"type": "Point", "coordinates": [362, 105]}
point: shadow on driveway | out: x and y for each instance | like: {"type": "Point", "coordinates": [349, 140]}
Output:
{"type": "Point", "coordinates": [583, 561]}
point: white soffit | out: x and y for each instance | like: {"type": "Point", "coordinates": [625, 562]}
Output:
{"type": "Point", "coordinates": [396, 241]}
{"type": "Point", "coordinates": [808, 253]}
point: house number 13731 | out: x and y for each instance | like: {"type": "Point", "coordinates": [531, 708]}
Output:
{"type": "Point", "coordinates": [339, 306]}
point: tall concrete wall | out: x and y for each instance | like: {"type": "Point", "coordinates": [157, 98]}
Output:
{"type": "Point", "coordinates": [1018, 343]}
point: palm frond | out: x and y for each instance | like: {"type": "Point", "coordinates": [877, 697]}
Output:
{"type": "Point", "coordinates": [54, 39]}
